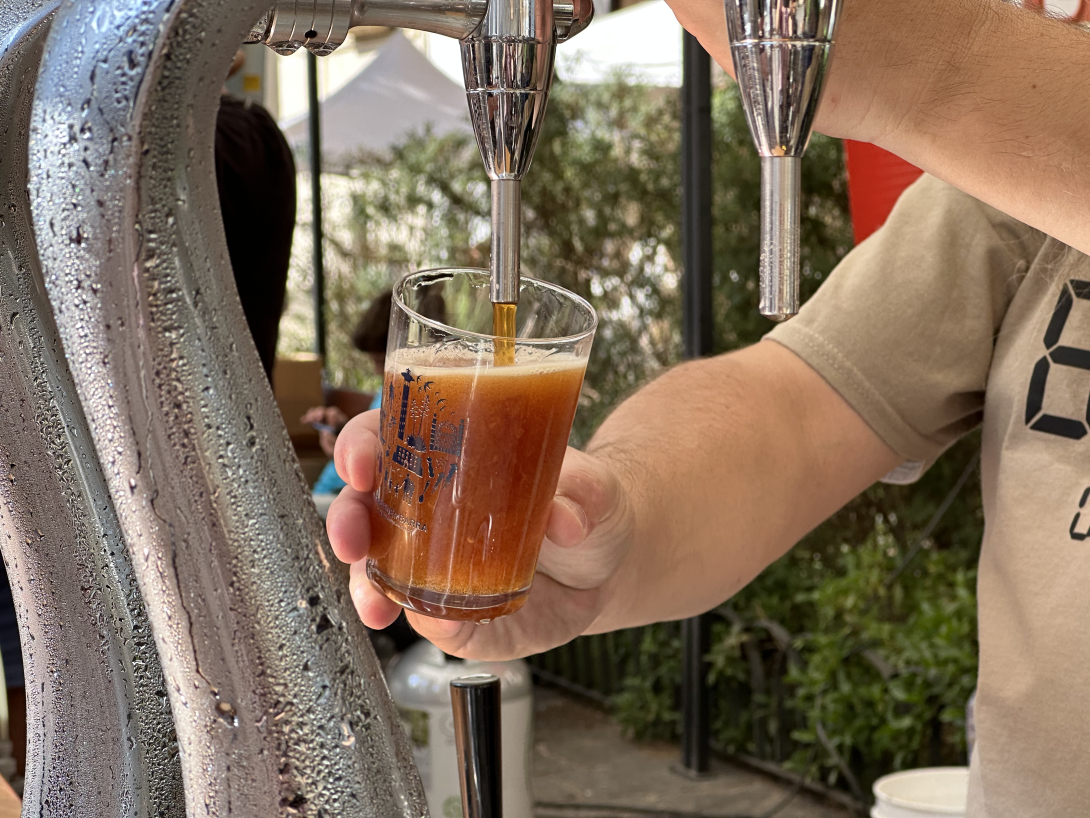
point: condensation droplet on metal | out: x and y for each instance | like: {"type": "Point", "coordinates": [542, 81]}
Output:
{"type": "Point", "coordinates": [349, 737]}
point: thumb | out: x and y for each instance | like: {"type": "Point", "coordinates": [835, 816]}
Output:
{"type": "Point", "coordinates": [587, 496]}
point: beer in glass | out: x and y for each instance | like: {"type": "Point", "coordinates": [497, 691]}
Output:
{"type": "Point", "coordinates": [472, 440]}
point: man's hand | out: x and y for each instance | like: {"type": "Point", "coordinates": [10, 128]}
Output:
{"type": "Point", "coordinates": [590, 528]}
{"type": "Point", "coordinates": [330, 417]}
{"type": "Point", "coordinates": [692, 486]}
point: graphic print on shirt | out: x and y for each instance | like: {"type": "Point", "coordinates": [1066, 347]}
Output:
{"type": "Point", "coordinates": [1073, 428]}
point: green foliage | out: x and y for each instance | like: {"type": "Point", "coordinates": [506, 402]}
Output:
{"type": "Point", "coordinates": [647, 702]}
{"type": "Point", "coordinates": [884, 666]}
{"type": "Point", "coordinates": [838, 634]}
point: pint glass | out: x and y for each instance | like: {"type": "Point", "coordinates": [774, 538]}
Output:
{"type": "Point", "coordinates": [471, 450]}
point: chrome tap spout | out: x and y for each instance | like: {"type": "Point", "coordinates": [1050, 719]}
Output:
{"type": "Point", "coordinates": [781, 51]}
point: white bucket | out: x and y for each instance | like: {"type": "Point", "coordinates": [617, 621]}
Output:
{"type": "Point", "coordinates": [922, 793]}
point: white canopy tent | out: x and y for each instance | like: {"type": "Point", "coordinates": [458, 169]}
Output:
{"type": "Point", "coordinates": [644, 41]}
{"type": "Point", "coordinates": [398, 93]}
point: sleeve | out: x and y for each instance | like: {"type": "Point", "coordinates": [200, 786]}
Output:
{"type": "Point", "coordinates": [904, 327]}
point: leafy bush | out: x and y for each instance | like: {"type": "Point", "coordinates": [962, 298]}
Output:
{"type": "Point", "coordinates": [647, 702]}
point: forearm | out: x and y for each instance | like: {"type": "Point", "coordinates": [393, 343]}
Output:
{"type": "Point", "coordinates": [1004, 117]}
{"type": "Point", "coordinates": [727, 462]}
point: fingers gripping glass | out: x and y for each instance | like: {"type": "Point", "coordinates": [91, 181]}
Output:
{"type": "Point", "coordinates": [472, 441]}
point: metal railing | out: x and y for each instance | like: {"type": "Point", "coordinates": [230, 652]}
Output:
{"type": "Point", "coordinates": [596, 667]}
{"type": "Point", "coordinates": [593, 667]}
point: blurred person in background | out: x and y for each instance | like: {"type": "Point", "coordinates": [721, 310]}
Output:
{"type": "Point", "coordinates": [255, 172]}
{"type": "Point", "coordinates": [369, 338]}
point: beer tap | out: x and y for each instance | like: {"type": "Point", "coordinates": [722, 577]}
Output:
{"type": "Point", "coordinates": [507, 47]}
{"type": "Point", "coordinates": [781, 51]}
{"type": "Point", "coordinates": [277, 700]}
{"type": "Point", "coordinates": [508, 67]}
{"type": "Point", "coordinates": [276, 695]}
{"type": "Point", "coordinates": [88, 657]}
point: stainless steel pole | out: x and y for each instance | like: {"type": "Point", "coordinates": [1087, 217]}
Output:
{"type": "Point", "coordinates": [100, 744]}
{"type": "Point", "coordinates": [277, 697]}
{"type": "Point", "coordinates": [696, 202]}
{"type": "Point", "coordinates": [476, 703]}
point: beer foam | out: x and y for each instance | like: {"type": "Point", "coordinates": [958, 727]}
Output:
{"type": "Point", "coordinates": [446, 357]}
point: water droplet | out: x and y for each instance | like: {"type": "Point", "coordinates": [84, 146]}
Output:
{"type": "Point", "coordinates": [349, 738]}
{"type": "Point", "coordinates": [226, 712]}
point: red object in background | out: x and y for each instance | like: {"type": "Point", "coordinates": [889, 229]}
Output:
{"type": "Point", "coordinates": [876, 179]}
{"type": "Point", "coordinates": [1062, 8]}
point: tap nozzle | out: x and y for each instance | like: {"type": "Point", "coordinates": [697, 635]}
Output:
{"type": "Point", "coordinates": [508, 67]}
{"type": "Point", "coordinates": [781, 51]}
{"type": "Point", "coordinates": [780, 194]}
{"type": "Point", "coordinates": [506, 240]}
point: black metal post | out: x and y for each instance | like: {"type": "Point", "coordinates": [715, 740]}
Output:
{"type": "Point", "coordinates": [316, 205]}
{"type": "Point", "coordinates": [696, 203]}
{"type": "Point", "coordinates": [696, 238]}
{"type": "Point", "coordinates": [695, 698]}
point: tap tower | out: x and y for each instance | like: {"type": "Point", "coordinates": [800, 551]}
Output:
{"type": "Point", "coordinates": [781, 51]}
{"type": "Point", "coordinates": [185, 559]}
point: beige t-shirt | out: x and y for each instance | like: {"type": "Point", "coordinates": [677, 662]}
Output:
{"type": "Point", "coordinates": [952, 315]}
